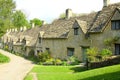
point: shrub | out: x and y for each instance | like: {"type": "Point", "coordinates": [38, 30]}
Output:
{"type": "Point", "coordinates": [44, 56]}
{"type": "Point", "coordinates": [49, 62]}
{"type": "Point", "coordinates": [72, 61]}
{"type": "Point", "coordinates": [92, 53]}
{"type": "Point", "coordinates": [57, 62]}
{"type": "Point", "coordinates": [105, 53]}
{"type": "Point", "coordinates": [6, 48]}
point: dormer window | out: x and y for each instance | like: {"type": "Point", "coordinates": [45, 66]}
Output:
{"type": "Point", "coordinates": [115, 24]}
{"type": "Point", "coordinates": [75, 31]}
{"type": "Point", "coordinates": [40, 40]}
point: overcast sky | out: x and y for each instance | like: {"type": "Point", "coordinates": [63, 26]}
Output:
{"type": "Point", "coordinates": [49, 10]}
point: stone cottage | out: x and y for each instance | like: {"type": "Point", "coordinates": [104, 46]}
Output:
{"type": "Point", "coordinates": [22, 41]}
{"type": "Point", "coordinates": [71, 36]}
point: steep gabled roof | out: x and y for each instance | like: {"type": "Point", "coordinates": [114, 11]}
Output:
{"type": "Point", "coordinates": [58, 29]}
{"type": "Point", "coordinates": [61, 27]}
{"type": "Point", "coordinates": [103, 17]}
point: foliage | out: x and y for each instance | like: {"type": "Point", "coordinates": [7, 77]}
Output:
{"type": "Point", "coordinates": [6, 48]}
{"type": "Point", "coordinates": [72, 61]}
{"type": "Point", "coordinates": [3, 58]}
{"type": "Point", "coordinates": [43, 56]}
{"type": "Point", "coordinates": [110, 41]}
{"type": "Point", "coordinates": [76, 73]}
{"type": "Point", "coordinates": [105, 53]}
{"type": "Point", "coordinates": [36, 21]}
{"type": "Point", "coordinates": [92, 53]}
{"type": "Point", "coordinates": [19, 19]}
{"type": "Point", "coordinates": [6, 10]}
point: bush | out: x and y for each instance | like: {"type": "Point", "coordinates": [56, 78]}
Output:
{"type": "Point", "coordinates": [48, 62]}
{"type": "Point", "coordinates": [72, 61]}
{"type": "Point", "coordinates": [6, 48]}
{"type": "Point", "coordinates": [43, 57]}
{"type": "Point", "coordinates": [92, 53]}
{"type": "Point", "coordinates": [105, 53]}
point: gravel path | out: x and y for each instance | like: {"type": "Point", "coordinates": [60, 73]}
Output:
{"type": "Point", "coordinates": [16, 69]}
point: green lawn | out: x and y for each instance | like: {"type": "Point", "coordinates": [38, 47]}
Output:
{"type": "Point", "coordinates": [74, 73]}
{"type": "Point", "coordinates": [4, 59]}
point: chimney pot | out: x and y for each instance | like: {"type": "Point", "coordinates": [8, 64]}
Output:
{"type": "Point", "coordinates": [69, 13]}
{"type": "Point", "coordinates": [106, 3]}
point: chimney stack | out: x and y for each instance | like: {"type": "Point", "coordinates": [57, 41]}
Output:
{"type": "Point", "coordinates": [69, 13]}
{"type": "Point", "coordinates": [106, 3]}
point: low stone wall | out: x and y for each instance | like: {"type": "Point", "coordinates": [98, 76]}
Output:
{"type": "Point", "coordinates": [111, 61]}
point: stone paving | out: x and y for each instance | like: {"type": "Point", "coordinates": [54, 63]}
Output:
{"type": "Point", "coordinates": [16, 69]}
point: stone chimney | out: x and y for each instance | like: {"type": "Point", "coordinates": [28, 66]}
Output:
{"type": "Point", "coordinates": [69, 13]}
{"type": "Point", "coordinates": [44, 23]}
{"type": "Point", "coordinates": [106, 3]}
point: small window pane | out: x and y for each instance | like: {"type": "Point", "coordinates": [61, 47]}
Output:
{"type": "Point", "coordinates": [75, 31]}
{"type": "Point", "coordinates": [115, 25]}
{"type": "Point", "coordinates": [70, 51]}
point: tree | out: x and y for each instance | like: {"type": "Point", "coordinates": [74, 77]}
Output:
{"type": "Point", "coordinates": [19, 19]}
{"type": "Point", "coordinates": [36, 21]}
{"type": "Point", "coordinates": [6, 9]}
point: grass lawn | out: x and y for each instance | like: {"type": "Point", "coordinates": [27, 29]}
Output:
{"type": "Point", "coordinates": [74, 73]}
{"type": "Point", "coordinates": [4, 59]}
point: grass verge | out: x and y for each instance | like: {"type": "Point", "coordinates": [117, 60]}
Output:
{"type": "Point", "coordinates": [75, 73]}
{"type": "Point", "coordinates": [4, 59]}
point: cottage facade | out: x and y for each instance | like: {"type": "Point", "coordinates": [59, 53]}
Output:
{"type": "Point", "coordinates": [71, 36]}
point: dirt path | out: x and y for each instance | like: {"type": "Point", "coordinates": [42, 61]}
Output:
{"type": "Point", "coordinates": [16, 69]}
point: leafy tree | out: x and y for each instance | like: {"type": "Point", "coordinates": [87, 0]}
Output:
{"type": "Point", "coordinates": [36, 21]}
{"type": "Point", "coordinates": [19, 19]}
{"type": "Point", "coordinates": [6, 10]}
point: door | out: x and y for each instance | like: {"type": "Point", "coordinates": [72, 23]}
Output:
{"type": "Point", "coordinates": [84, 53]}
{"type": "Point", "coordinates": [117, 49]}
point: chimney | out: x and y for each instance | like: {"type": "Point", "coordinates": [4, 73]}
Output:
{"type": "Point", "coordinates": [33, 25]}
{"type": "Point", "coordinates": [44, 23]}
{"type": "Point", "coordinates": [106, 3]}
{"type": "Point", "coordinates": [69, 13]}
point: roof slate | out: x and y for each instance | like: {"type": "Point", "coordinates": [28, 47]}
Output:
{"type": "Point", "coordinates": [103, 17]}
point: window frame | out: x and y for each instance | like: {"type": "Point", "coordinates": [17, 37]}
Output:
{"type": "Point", "coordinates": [69, 51]}
{"type": "Point", "coordinates": [117, 49]}
{"type": "Point", "coordinates": [115, 24]}
{"type": "Point", "coordinates": [76, 30]}
{"type": "Point", "coordinates": [40, 41]}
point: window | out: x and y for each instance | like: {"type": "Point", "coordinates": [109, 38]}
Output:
{"type": "Point", "coordinates": [70, 51]}
{"type": "Point", "coordinates": [48, 50]}
{"type": "Point", "coordinates": [75, 31]}
{"type": "Point", "coordinates": [117, 49]}
{"type": "Point", "coordinates": [115, 25]}
{"type": "Point", "coordinates": [40, 40]}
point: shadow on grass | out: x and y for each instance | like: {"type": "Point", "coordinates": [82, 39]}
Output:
{"type": "Point", "coordinates": [108, 76]}
{"type": "Point", "coordinates": [78, 69]}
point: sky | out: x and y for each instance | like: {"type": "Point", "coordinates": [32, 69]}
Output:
{"type": "Point", "coordinates": [48, 10]}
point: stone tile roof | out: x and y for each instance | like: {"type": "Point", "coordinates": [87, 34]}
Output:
{"type": "Point", "coordinates": [61, 27]}
{"type": "Point", "coordinates": [103, 17]}
{"type": "Point", "coordinates": [30, 36]}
